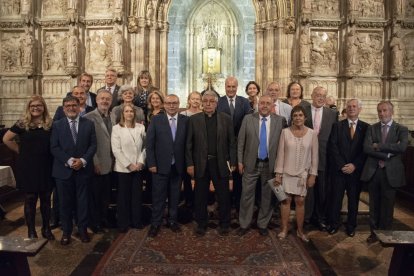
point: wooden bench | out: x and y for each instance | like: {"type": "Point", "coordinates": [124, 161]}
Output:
{"type": "Point", "coordinates": [14, 252]}
{"type": "Point", "coordinates": [402, 261]}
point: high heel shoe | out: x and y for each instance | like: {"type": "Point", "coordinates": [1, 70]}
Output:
{"type": "Point", "coordinates": [282, 235]}
{"type": "Point", "coordinates": [302, 236]}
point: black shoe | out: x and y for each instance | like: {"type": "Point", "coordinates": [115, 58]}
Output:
{"type": "Point", "coordinates": [54, 225]}
{"type": "Point", "coordinates": [97, 229]}
{"type": "Point", "coordinates": [138, 226]}
{"type": "Point", "coordinates": [32, 234]}
{"type": "Point", "coordinates": [153, 232]}
{"type": "Point", "coordinates": [84, 237]}
{"type": "Point", "coordinates": [174, 227]}
{"type": "Point", "coordinates": [123, 230]}
{"type": "Point", "coordinates": [223, 231]}
{"type": "Point", "coordinates": [322, 226]}
{"type": "Point", "coordinates": [47, 234]}
{"type": "Point", "coordinates": [263, 231]}
{"type": "Point", "coordinates": [332, 230]}
{"type": "Point", "coordinates": [372, 238]}
{"type": "Point", "coordinates": [200, 231]}
{"type": "Point", "coordinates": [242, 231]}
{"type": "Point", "coordinates": [65, 239]}
{"type": "Point", "coordinates": [350, 232]}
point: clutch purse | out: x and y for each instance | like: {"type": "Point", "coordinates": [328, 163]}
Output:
{"type": "Point", "coordinates": [277, 190]}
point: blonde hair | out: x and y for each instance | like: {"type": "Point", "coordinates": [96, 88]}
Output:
{"type": "Point", "coordinates": [26, 120]}
{"type": "Point", "coordinates": [189, 96]}
{"type": "Point", "coordinates": [155, 92]}
{"type": "Point", "coordinates": [122, 120]}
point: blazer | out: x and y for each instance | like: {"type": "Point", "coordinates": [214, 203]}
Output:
{"type": "Point", "coordinates": [241, 108]}
{"type": "Point", "coordinates": [161, 148]}
{"type": "Point", "coordinates": [284, 110]}
{"type": "Point", "coordinates": [344, 150]}
{"type": "Point", "coordinates": [128, 146]}
{"type": "Point", "coordinates": [249, 139]}
{"type": "Point", "coordinates": [59, 114]}
{"type": "Point", "coordinates": [390, 152]}
{"type": "Point", "coordinates": [103, 156]}
{"type": "Point", "coordinates": [63, 147]}
{"type": "Point", "coordinates": [197, 149]}
{"type": "Point", "coordinates": [92, 96]}
{"type": "Point", "coordinates": [329, 117]}
{"type": "Point", "coordinates": [115, 96]}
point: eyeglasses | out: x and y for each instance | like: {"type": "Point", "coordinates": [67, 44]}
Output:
{"type": "Point", "coordinates": [209, 102]}
{"type": "Point", "coordinates": [36, 106]}
{"type": "Point", "coordinates": [70, 105]}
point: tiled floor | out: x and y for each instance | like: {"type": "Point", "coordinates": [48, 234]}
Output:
{"type": "Point", "coordinates": [334, 254]}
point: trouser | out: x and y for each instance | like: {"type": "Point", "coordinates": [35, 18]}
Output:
{"type": "Point", "coordinates": [129, 201]}
{"type": "Point", "coordinates": [30, 210]}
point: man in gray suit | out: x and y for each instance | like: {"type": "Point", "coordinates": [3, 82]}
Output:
{"type": "Point", "coordinates": [279, 107]}
{"type": "Point", "coordinates": [320, 119]}
{"type": "Point", "coordinates": [111, 76]}
{"type": "Point", "coordinates": [256, 154]}
{"type": "Point", "coordinates": [100, 187]}
{"type": "Point", "coordinates": [384, 144]}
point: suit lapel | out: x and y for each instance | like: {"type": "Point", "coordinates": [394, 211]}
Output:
{"type": "Point", "coordinates": [272, 134]}
{"type": "Point", "coordinates": [256, 125]}
{"type": "Point", "coordinates": [66, 126]}
{"type": "Point", "coordinates": [391, 133]}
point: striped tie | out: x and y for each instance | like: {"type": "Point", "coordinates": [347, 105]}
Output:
{"type": "Point", "coordinates": [73, 130]}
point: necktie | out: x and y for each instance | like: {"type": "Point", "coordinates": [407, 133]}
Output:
{"type": "Point", "coordinates": [263, 140]}
{"type": "Point", "coordinates": [384, 134]}
{"type": "Point", "coordinates": [173, 127]}
{"type": "Point", "coordinates": [73, 130]}
{"type": "Point", "coordinates": [317, 120]}
{"type": "Point", "coordinates": [231, 107]}
{"type": "Point", "coordinates": [352, 130]}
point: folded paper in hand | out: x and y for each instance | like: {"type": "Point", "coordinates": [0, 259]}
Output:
{"type": "Point", "coordinates": [277, 190]}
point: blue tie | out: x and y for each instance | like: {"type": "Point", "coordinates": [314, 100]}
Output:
{"type": "Point", "coordinates": [263, 140]}
{"type": "Point", "coordinates": [173, 127]}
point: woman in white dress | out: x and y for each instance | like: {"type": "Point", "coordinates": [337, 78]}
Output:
{"type": "Point", "coordinates": [128, 147]}
{"type": "Point", "coordinates": [296, 168]}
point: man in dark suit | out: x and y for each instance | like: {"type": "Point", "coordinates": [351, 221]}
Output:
{"type": "Point", "coordinates": [111, 76]}
{"type": "Point", "coordinates": [85, 81]}
{"type": "Point", "coordinates": [166, 139]}
{"type": "Point", "coordinates": [73, 145]}
{"type": "Point", "coordinates": [320, 119]}
{"type": "Point", "coordinates": [348, 158]}
{"type": "Point", "coordinates": [384, 144]}
{"type": "Point", "coordinates": [211, 156]}
{"type": "Point", "coordinates": [100, 187]}
{"type": "Point", "coordinates": [237, 107]}
{"type": "Point", "coordinates": [256, 160]}
{"type": "Point", "coordinates": [77, 92]}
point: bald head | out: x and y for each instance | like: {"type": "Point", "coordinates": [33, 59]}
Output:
{"type": "Point", "coordinates": [231, 86]}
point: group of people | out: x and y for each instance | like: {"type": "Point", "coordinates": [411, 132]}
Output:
{"type": "Point", "coordinates": [234, 143]}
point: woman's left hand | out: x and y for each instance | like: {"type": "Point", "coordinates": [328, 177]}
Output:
{"type": "Point", "coordinates": [311, 181]}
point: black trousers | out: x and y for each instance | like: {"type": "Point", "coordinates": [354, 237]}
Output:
{"type": "Point", "coordinates": [129, 203]}
{"type": "Point", "coordinates": [30, 209]}
{"type": "Point", "coordinates": [201, 192]}
{"type": "Point", "coordinates": [316, 201]}
{"type": "Point", "coordinates": [99, 197]}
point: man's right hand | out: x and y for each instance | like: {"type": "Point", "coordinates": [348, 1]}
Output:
{"type": "Point", "coordinates": [190, 171]}
{"type": "Point", "coordinates": [153, 169]}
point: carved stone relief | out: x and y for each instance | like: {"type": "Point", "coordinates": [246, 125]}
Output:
{"type": "Point", "coordinates": [9, 7]}
{"type": "Point", "coordinates": [98, 50]}
{"type": "Point", "coordinates": [371, 8]}
{"type": "Point", "coordinates": [325, 8]}
{"type": "Point", "coordinates": [17, 52]}
{"type": "Point", "coordinates": [96, 8]}
{"type": "Point", "coordinates": [408, 61]}
{"type": "Point", "coordinates": [53, 7]}
{"type": "Point", "coordinates": [397, 54]}
{"type": "Point", "coordinates": [324, 52]}
{"type": "Point", "coordinates": [55, 52]}
{"type": "Point", "coordinates": [409, 8]}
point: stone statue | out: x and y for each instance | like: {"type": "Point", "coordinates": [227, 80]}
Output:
{"type": "Point", "coordinates": [117, 47]}
{"type": "Point", "coordinates": [117, 14]}
{"type": "Point", "coordinates": [305, 44]}
{"type": "Point", "coordinates": [26, 7]}
{"type": "Point", "coordinates": [27, 48]}
{"type": "Point", "coordinates": [73, 5]}
{"type": "Point", "coordinates": [397, 53]}
{"type": "Point", "coordinates": [150, 10]}
{"type": "Point", "coordinates": [398, 7]}
{"type": "Point", "coordinates": [352, 48]}
{"type": "Point", "coordinates": [72, 48]}
{"type": "Point", "coordinates": [72, 11]}
{"type": "Point", "coordinates": [306, 5]}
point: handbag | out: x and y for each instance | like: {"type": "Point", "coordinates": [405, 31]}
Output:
{"type": "Point", "coordinates": [277, 190]}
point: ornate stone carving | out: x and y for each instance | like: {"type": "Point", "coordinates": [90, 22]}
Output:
{"type": "Point", "coordinates": [7, 25]}
{"type": "Point", "coordinates": [324, 52]}
{"type": "Point", "coordinates": [325, 8]}
{"type": "Point", "coordinates": [371, 24]}
{"type": "Point", "coordinates": [409, 54]}
{"type": "Point", "coordinates": [98, 7]}
{"type": "Point", "coordinates": [289, 25]}
{"type": "Point", "coordinates": [409, 8]}
{"type": "Point", "coordinates": [371, 8]}
{"type": "Point", "coordinates": [26, 11]}
{"type": "Point", "coordinates": [9, 7]}
{"type": "Point", "coordinates": [98, 50]}
{"type": "Point", "coordinates": [150, 11]}
{"type": "Point", "coordinates": [72, 14]}
{"type": "Point", "coordinates": [397, 54]}
{"type": "Point", "coordinates": [118, 8]}
{"type": "Point", "coordinates": [98, 22]}
{"type": "Point", "coordinates": [53, 7]}
{"type": "Point", "coordinates": [53, 23]}
{"type": "Point", "coordinates": [72, 48]}
{"type": "Point", "coordinates": [326, 23]}
{"type": "Point", "coordinates": [117, 47]}
{"type": "Point", "coordinates": [132, 24]}
{"type": "Point", "coordinates": [305, 45]}
{"type": "Point", "coordinates": [54, 52]}
{"type": "Point", "coordinates": [11, 52]}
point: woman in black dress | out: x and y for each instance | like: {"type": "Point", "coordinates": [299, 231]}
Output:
{"type": "Point", "coordinates": [34, 162]}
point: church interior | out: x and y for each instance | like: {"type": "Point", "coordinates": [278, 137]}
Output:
{"type": "Point", "coordinates": [355, 49]}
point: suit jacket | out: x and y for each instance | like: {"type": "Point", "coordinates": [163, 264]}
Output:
{"type": "Point", "coordinates": [161, 147]}
{"type": "Point", "coordinates": [241, 108]}
{"type": "Point", "coordinates": [284, 110]}
{"type": "Point", "coordinates": [59, 114]}
{"type": "Point", "coordinates": [197, 147]}
{"type": "Point", "coordinates": [115, 100]}
{"type": "Point", "coordinates": [128, 146]}
{"type": "Point", "coordinates": [249, 139]}
{"type": "Point", "coordinates": [91, 95]}
{"type": "Point", "coordinates": [344, 150]}
{"type": "Point", "coordinates": [63, 147]}
{"type": "Point", "coordinates": [103, 156]}
{"type": "Point", "coordinates": [329, 117]}
{"type": "Point", "coordinates": [390, 152]}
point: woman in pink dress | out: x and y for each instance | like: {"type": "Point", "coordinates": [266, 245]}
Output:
{"type": "Point", "coordinates": [296, 168]}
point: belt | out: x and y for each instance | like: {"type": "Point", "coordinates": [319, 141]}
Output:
{"type": "Point", "coordinates": [262, 160]}
{"type": "Point", "coordinates": [209, 157]}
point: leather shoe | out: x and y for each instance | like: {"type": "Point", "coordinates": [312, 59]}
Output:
{"type": "Point", "coordinates": [322, 226]}
{"type": "Point", "coordinates": [242, 231]}
{"type": "Point", "coordinates": [138, 226]}
{"type": "Point", "coordinates": [372, 238]}
{"type": "Point", "coordinates": [97, 229]}
{"type": "Point", "coordinates": [153, 232]}
{"type": "Point", "coordinates": [174, 227]}
{"type": "Point", "coordinates": [332, 230]}
{"type": "Point", "coordinates": [350, 232]}
{"type": "Point", "coordinates": [263, 231]}
{"type": "Point", "coordinates": [200, 231]}
{"type": "Point", "coordinates": [47, 234]}
{"type": "Point", "coordinates": [32, 235]}
{"type": "Point", "coordinates": [223, 231]}
{"type": "Point", "coordinates": [65, 239]}
{"type": "Point", "coordinates": [54, 225]}
{"type": "Point", "coordinates": [84, 237]}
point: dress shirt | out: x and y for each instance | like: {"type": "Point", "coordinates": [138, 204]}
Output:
{"type": "Point", "coordinates": [88, 99]}
{"type": "Point", "coordinates": [111, 89]}
{"type": "Point", "coordinates": [234, 101]}
{"type": "Point", "coordinates": [313, 109]}
{"type": "Point", "coordinates": [176, 119]}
